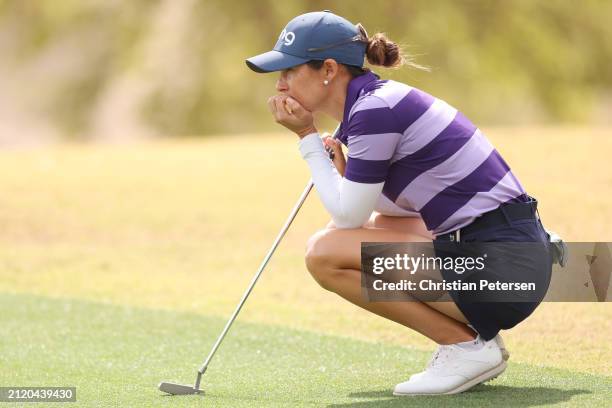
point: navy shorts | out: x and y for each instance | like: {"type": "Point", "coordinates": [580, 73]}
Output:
{"type": "Point", "coordinates": [488, 318]}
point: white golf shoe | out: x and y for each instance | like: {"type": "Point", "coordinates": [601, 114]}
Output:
{"type": "Point", "coordinates": [502, 347]}
{"type": "Point", "coordinates": [453, 369]}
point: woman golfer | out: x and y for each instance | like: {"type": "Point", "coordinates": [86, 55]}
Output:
{"type": "Point", "coordinates": [417, 170]}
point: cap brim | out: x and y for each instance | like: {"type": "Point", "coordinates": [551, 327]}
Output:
{"type": "Point", "coordinates": [273, 61]}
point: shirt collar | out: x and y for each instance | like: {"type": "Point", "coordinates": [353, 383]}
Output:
{"type": "Point", "coordinates": [354, 88]}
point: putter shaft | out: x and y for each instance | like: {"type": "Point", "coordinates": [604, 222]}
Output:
{"type": "Point", "coordinates": [246, 294]}
{"type": "Point", "coordinates": [283, 231]}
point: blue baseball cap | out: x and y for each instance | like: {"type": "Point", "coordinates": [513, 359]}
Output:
{"type": "Point", "coordinates": [314, 36]}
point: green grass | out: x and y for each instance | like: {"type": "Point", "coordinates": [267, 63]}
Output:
{"type": "Point", "coordinates": [120, 264]}
{"type": "Point", "coordinates": [116, 355]}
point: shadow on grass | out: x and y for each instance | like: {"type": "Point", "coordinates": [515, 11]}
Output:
{"type": "Point", "coordinates": [478, 396]}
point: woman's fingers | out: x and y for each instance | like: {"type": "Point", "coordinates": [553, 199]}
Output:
{"type": "Point", "coordinates": [291, 114]}
{"type": "Point", "coordinates": [293, 106]}
{"type": "Point", "coordinates": [279, 105]}
{"type": "Point", "coordinates": [280, 112]}
{"type": "Point", "coordinates": [337, 148]}
{"type": "Point", "coordinates": [272, 104]}
{"type": "Point", "coordinates": [325, 137]}
{"type": "Point", "coordinates": [339, 160]}
{"type": "Point", "coordinates": [329, 142]}
{"type": "Point", "coordinates": [333, 144]}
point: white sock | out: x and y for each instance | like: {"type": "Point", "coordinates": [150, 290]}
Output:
{"type": "Point", "coordinates": [472, 345]}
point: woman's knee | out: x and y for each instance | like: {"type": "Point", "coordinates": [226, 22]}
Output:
{"type": "Point", "coordinates": [320, 260]}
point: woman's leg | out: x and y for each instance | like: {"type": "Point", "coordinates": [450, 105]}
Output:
{"type": "Point", "coordinates": [412, 226]}
{"type": "Point", "coordinates": [333, 257]}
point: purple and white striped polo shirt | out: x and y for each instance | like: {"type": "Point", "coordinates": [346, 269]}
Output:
{"type": "Point", "coordinates": [432, 159]}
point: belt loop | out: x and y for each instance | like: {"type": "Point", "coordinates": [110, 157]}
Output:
{"type": "Point", "coordinates": [503, 210]}
{"type": "Point", "coordinates": [534, 202]}
{"type": "Point", "coordinates": [458, 235]}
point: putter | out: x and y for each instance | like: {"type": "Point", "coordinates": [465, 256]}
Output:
{"type": "Point", "coordinates": [180, 389]}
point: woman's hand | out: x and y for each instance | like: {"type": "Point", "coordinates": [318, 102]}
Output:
{"type": "Point", "coordinates": [289, 113]}
{"type": "Point", "coordinates": [335, 147]}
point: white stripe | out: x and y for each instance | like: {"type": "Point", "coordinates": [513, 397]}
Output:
{"type": "Point", "coordinates": [392, 92]}
{"type": "Point", "coordinates": [425, 129]}
{"type": "Point", "coordinates": [373, 147]}
{"type": "Point", "coordinates": [366, 103]}
{"type": "Point", "coordinates": [387, 207]}
{"type": "Point", "coordinates": [518, 183]}
{"type": "Point", "coordinates": [506, 189]}
{"type": "Point", "coordinates": [428, 184]}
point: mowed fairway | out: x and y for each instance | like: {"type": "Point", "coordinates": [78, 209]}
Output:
{"type": "Point", "coordinates": [119, 266]}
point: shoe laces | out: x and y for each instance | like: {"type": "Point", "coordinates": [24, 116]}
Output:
{"type": "Point", "coordinates": [439, 357]}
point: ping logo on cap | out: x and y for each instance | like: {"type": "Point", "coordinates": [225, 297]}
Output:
{"type": "Point", "coordinates": [287, 37]}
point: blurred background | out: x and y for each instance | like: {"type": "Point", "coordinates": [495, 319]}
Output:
{"type": "Point", "coordinates": [114, 70]}
{"type": "Point", "coordinates": [140, 168]}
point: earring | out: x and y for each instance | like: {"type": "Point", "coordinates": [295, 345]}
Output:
{"type": "Point", "coordinates": [326, 82]}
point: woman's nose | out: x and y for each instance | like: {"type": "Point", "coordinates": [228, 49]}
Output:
{"type": "Point", "coordinates": [281, 85]}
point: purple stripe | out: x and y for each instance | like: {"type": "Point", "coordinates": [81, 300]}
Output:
{"type": "Point", "coordinates": [451, 171]}
{"type": "Point", "coordinates": [366, 171]}
{"type": "Point", "coordinates": [443, 146]}
{"type": "Point", "coordinates": [522, 198]}
{"type": "Point", "coordinates": [375, 84]}
{"type": "Point", "coordinates": [449, 200]}
{"type": "Point", "coordinates": [411, 107]}
{"type": "Point", "coordinates": [353, 89]}
{"type": "Point", "coordinates": [372, 121]}
{"type": "Point", "coordinates": [342, 135]}
{"type": "Point", "coordinates": [482, 202]}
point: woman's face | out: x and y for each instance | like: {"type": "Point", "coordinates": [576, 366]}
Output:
{"type": "Point", "coordinates": [304, 84]}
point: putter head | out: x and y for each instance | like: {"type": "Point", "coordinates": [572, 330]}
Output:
{"type": "Point", "coordinates": [178, 389]}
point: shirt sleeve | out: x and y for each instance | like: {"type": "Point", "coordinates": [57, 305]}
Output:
{"type": "Point", "coordinates": [372, 139]}
{"type": "Point", "coordinates": [348, 202]}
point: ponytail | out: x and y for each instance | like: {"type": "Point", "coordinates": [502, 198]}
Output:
{"type": "Point", "coordinates": [383, 52]}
